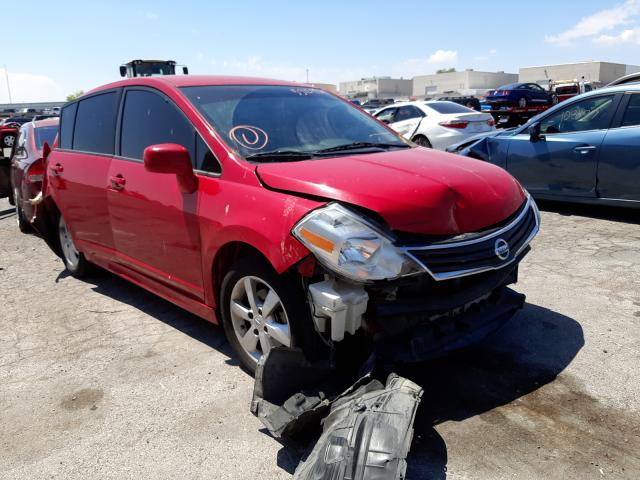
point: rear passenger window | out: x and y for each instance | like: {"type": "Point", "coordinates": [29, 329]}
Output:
{"type": "Point", "coordinates": [632, 113]}
{"type": "Point", "coordinates": [149, 119]}
{"type": "Point", "coordinates": [95, 124]}
{"type": "Point", "coordinates": [67, 122]}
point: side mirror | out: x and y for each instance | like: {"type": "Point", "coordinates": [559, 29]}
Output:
{"type": "Point", "coordinates": [174, 159]}
{"type": "Point", "coordinates": [185, 70]}
{"type": "Point", "coordinates": [534, 132]}
{"type": "Point", "coordinates": [123, 71]}
{"type": "Point", "coordinates": [385, 120]}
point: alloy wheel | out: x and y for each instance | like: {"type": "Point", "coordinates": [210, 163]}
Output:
{"type": "Point", "coordinates": [258, 316]}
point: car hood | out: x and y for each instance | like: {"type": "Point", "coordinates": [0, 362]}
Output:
{"type": "Point", "coordinates": [415, 190]}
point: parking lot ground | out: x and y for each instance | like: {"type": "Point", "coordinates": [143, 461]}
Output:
{"type": "Point", "coordinates": [100, 379]}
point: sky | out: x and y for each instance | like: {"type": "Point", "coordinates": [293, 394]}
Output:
{"type": "Point", "coordinates": [60, 47]}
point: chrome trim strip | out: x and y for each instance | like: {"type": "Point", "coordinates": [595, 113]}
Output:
{"type": "Point", "coordinates": [463, 243]}
{"type": "Point", "coordinates": [464, 273]}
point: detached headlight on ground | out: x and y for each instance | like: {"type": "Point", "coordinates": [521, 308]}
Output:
{"type": "Point", "coordinates": [346, 243]}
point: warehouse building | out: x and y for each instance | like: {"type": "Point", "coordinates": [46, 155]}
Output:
{"type": "Point", "coordinates": [596, 73]}
{"type": "Point", "coordinates": [467, 82]}
{"type": "Point", "coordinates": [376, 87]}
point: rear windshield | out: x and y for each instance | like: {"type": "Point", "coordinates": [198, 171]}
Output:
{"type": "Point", "coordinates": [448, 107]}
{"type": "Point", "coordinates": [262, 119]}
{"type": "Point", "coordinates": [45, 134]}
{"type": "Point", "coordinates": [511, 86]}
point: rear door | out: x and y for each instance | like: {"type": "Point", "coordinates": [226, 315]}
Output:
{"type": "Point", "coordinates": [619, 165]}
{"type": "Point", "coordinates": [155, 225]}
{"type": "Point", "coordinates": [407, 120]}
{"type": "Point", "coordinates": [564, 161]}
{"type": "Point", "coordinates": [78, 170]}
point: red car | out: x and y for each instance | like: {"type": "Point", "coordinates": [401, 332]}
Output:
{"type": "Point", "coordinates": [27, 166]}
{"type": "Point", "coordinates": [8, 136]}
{"type": "Point", "coordinates": [284, 212]}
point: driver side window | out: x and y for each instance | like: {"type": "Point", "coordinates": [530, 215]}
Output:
{"type": "Point", "coordinates": [590, 114]}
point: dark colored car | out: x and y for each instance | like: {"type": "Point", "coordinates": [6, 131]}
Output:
{"type": "Point", "coordinates": [584, 150]}
{"type": "Point", "coordinates": [27, 166]}
{"type": "Point", "coordinates": [285, 213]}
{"type": "Point", "coordinates": [520, 95]}
{"type": "Point", "coordinates": [18, 120]}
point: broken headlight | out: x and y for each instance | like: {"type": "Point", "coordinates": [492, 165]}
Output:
{"type": "Point", "coordinates": [348, 244]}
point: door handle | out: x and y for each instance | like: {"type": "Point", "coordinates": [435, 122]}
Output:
{"type": "Point", "coordinates": [57, 169]}
{"type": "Point", "coordinates": [117, 182]}
{"type": "Point", "coordinates": [584, 149]}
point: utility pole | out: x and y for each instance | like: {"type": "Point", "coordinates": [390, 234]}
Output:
{"type": "Point", "coordinates": [307, 75]}
{"type": "Point", "coordinates": [6, 74]}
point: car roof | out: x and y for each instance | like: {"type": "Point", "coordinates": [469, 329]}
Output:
{"type": "Point", "coordinates": [47, 122]}
{"type": "Point", "coordinates": [177, 81]}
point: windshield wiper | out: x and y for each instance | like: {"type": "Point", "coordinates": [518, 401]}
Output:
{"type": "Point", "coordinates": [281, 155]}
{"type": "Point", "coordinates": [361, 145]}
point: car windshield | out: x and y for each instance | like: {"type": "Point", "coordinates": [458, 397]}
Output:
{"type": "Point", "coordinates": [448, 107]}
{"type": "Point", "coordinates": [262, 122]}
{"type": "Point", "coordinates": [45, 134]}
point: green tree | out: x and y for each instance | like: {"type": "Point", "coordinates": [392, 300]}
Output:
{"type": "Point", "coordinates": [74, 95]}
{"type": "Point", "coordinates": [446, 70]}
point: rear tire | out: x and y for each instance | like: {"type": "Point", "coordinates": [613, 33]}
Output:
{"type": "Point", "coordinates": [250, 329]}
{"type": "Point", "coordinates": [23, 224]}
{"type": "Point", "coordinates": [422, 141]}
{"type": "Point", "coordinates": [74, 261]}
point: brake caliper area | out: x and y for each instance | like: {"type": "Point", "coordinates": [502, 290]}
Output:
{"type": "Point", "coordinates": [338, 307]}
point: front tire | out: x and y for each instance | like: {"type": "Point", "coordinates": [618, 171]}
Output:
{"type": "Point", "coordinates": [262, 310]}
{"type": "Point", "coordinates": [74, 260]}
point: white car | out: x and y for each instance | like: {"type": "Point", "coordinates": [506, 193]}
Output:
{"type": "Point", "coordinates": [435, 124]}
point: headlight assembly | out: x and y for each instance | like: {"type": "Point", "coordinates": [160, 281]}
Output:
{"type": "Point", "coordinates": [348, 244]}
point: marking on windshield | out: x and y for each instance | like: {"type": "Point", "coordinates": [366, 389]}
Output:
{"type": "Point", "coordinates": [249, 137]}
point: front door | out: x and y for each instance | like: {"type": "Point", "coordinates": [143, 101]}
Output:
{"type": "Point", "coordinates": [155, 224]}
{"type": "Point", "coordinates": [564, 160]}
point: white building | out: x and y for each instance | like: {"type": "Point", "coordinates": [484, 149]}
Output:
{"type": "Point", "coordinates": [376, 87]}
{"type": "Point", "coordinates": [467, 82]}
{"type": "Point", "coordinates": [596, 73]}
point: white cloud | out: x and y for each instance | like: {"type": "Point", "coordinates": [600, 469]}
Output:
{"type": "Point", "coordinates": [444, 56]}
{"type": "Point", "coordinates": [493, 51]}
{"type": "Point", "coordinates": [599, 22]}
{"type": "Point", "coordinates": [631, 35]}
{"type": "Point", "coordinates": [27, 87]}
{"type": "Point", "coordinates": [151, 16]}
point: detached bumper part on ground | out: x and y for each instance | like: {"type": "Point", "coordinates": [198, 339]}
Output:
{"type": "Point", "coordinates": [368, 426]}
{"type": "Point", "coordinates": [367, 435]}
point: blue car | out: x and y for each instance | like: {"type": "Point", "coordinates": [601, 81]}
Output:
{"type": "Point", "coordinates": [585, 149]}
{"type": "Point", "coordinates": [520, 95]}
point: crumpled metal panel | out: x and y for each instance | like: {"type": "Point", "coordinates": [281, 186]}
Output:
{"type": "Point", "coordinates": [367, 435]}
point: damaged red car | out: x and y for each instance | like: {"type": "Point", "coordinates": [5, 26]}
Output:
{"type": "Point", "coordinates": [285, 213]}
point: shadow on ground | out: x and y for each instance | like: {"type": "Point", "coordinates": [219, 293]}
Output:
{"type": "Point", "coordinates": [112, 286]}
{"type": "Point", "coordinates": [601, 212]}
{"type": "Point", "coordinates": [531, 350]}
